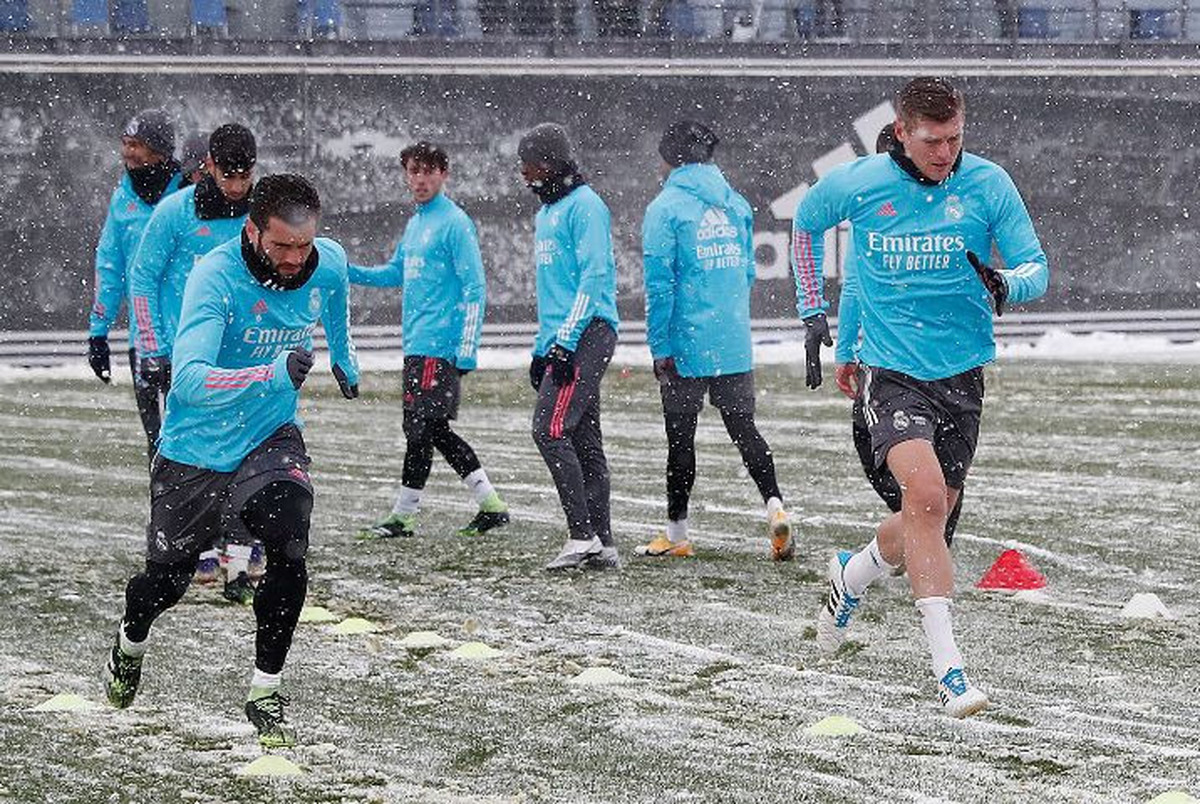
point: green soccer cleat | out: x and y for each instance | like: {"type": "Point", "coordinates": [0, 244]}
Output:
{"type": "Point", "coordinates": [493, 512]}
{"type": "Point", "coordinates": [240, 590]}
{"type": "Point", "coordinates": [264, 708]}
{"type": "Point", "coordinates": [122, 674]}
{"type": "Point", "coordinates": [393, 526]}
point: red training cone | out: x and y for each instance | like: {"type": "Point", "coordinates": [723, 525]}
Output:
{"type": "Point", "coordinates": [1012, 571]}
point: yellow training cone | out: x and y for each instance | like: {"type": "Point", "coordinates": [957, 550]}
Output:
{"type": "Point", "coordinates": [424, 640]}
{"type": "Point", "coordinates": [355, 625]}
{"type": "Point", "coordinates": [317, 614]}
{"type": "Point", "coordinates": [475, 651]}
{"type": "Point", "coordinates": [600, 675]}
{"type": "Point", "coordinates": [835, 726]}
{"type": "Point", "coordinates": [1174, 797]}
{"type": "Point", "coordinates": [65, 702]}
{"type": "Point", "coordinates": [270, 765]}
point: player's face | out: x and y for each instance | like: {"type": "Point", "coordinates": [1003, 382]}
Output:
{"type": "Point", "coordinates": [233, 185]}
{"type": "Point", "coordinates": [534, 173]}
{"type": "Point", "coordinates": [932, 146]}
{"type": "Point", "coordinates": [136, 154]}
{"type": "Point", "coordinates": [287, 245]}
{"type": "Point", "coordinates": [424, 181]}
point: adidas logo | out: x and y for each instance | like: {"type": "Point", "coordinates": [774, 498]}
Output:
{"type": "Point", "coordinates": [715, 223]}
{"type": "Point", "coordinates": [259, 307]}
{"type": "Point", "coordinates": [204, 231]}
{"type": "Point", "coordinates": [887, 210]}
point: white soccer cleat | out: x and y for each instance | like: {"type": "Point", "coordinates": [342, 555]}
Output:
{"type": "Point", "coordinates": [606, 559]}
{"type": "Point", "coordinates": [576, 553]}
{"type": "Point", "coordinates": [834, 617]}
{"type": "Point", "coordinates": [779, 529]}
{"type": "Point", "coordinates": [960, 698]}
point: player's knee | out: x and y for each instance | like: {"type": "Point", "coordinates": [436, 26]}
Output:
{"type": "Point", "coordinates": [416, 429]}
{"type": "Point", "coordinates": [169, 582]}
{"type": "Point", "coordinates": [543, 435]}
{"type": "Point", "coordinates": [925, 498]}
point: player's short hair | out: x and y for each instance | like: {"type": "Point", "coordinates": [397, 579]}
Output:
{"type": "Point", "coordinates": [426, 154]}
{"type": "Point", "coordinates": [233, 149]}
{"type": "Point", "coordinates": [886, 139]}
{"type": "Point", "coordinates": [286, 196]}
{"type": "Point", "coordinates": [930, 97]}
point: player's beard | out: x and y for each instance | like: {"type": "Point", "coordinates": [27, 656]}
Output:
{"type": "Point", "coordinates": [263, 269]}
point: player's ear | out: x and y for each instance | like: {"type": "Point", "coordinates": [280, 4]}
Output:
{"type": "Point", "coordinates": [252, 231]}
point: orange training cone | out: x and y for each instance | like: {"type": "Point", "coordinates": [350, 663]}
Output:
{"type": "Point", "coordinates": [1012, 572]}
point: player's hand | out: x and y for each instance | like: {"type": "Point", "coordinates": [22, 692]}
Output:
{"type": "Point", "coordinates": [816, 332]}
{"type": "Point", "coordinates": [562, 365]}
{"type": "Point", "coordinates": [98, 357]}
{"type": "Point", "coordinates": [846, 375]}
{"type": "Point", "coordinates": [992, 279]}
{"type": "Point", "coordinates": [299, 362]}
{"type": "Point", "coordinates": [665, 371]}
{"type": "Point", "coordinates": [349, 391]}
{"type": "Point", "coordinates": [537, 370]}
{"type": "Point", "coordinates": [156, 372]}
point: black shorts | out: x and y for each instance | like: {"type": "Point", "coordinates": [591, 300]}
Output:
{"type": "Point", "coordinates": [944, 412]}
{"type": "Point", "coordinates": [728, 393]}
{"type": "Point", "coordinates": [191, 506]}
{"type": "Point", "coordinates": [431, 388]}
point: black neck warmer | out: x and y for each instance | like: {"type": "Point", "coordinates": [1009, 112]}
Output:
{"type": "Point", "coordinates": [262, 270]}
{"type": "Point", "coordinates": [211, 203]}
{"type": "Point", "coordinates": [910, 167]}
{"type": "Point", "coordinates": [558, 187]}
{"type": "Point", "coordinates": [150, 181]}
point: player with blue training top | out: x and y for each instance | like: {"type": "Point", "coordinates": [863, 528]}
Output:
{"type": "Point", "coordinates": [231, 453]}
{"type": "Point", "coordinates": [698, 258]}
{"type": "Point", "coordinates": [439, 267]}
{"type": "Point", "coordinates": [921, 216]}
{"type": "Point", "coordinates": [151, 174]}
{"type": "Point", "coordinates": [183, 228]}
{"type": "Point", "coordinates": [577, 333]}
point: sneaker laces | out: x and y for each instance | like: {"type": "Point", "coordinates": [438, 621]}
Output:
{"type": "Point", "coordinates": [272, 705]}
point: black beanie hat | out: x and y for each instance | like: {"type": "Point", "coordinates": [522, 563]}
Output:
{"type": "Point", "coordinates": [686, 142]}
{"type": "Point", "coordinates": [155, 129]}
{"type": "Point", "coordinates": [191, 157]}
{"type": "Point", "coordinates": [546, 143]}
{"type": "Point", "coordinates": [232, 148]}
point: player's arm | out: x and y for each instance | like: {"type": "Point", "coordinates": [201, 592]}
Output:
{"type": "Point", "coordinates": [468, 266]}
{"type": "Point", "coordinates": [748, 244]}
{"type": "Point", "coordinates": [110, 278]}
{"type": "Point", "coordinates": [388, 275]}
{"type": "Point", "coordinates": [149, 266]}
{"type": "Point", "coordinates": [343, 357]}
{"type": "Point", "coordinates": [591, 238]}
{"type": "Point", "coordinates": [849, 322]}
{"type": "Point", "coordinates": [658, 268]}
{"type": "Point", "coordinates": [198, 380]}
{"type": "Point", "coordinates": [1029, 273]}
{"type": "Point", "coordinates": [822, 208]}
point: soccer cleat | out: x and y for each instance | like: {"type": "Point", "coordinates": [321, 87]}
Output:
{"type": "Point", "coordinates": [122, 674]}
{"type": "Point", "coordinates": [606, 559]}
{"type": "Point", "coordinates": [240, 590]}
{"type": "Point", "coordinates": [960, 698]}
{"type": "Point", "coordinates": [834, 616]}
{"type": "Point", "coordinates": [779, 528]}
{"type": "Point", "coordinates": [493, 513]}
{"type": "Point", "coordinates": [208, 569]}
{"type": "Point", "coordinates": [393, 526]}
{"type": "Point", "coordinates": [576, 553]}
{"type": "Point", "coordinates": [258, 561]}
{"type": "Point", "coordinates": [265, 710]}
{"type": "Point", "coordinates": [661, 545]}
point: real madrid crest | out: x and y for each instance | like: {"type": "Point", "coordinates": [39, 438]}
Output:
{"type": "Point", "coordinates": [314, 301]}
{"type": "Point", "coordinates": [954, 208]}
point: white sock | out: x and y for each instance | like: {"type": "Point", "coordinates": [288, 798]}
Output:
{"type": "Point", "coordinates": [209, 554]}
{"type": "Point", "coordinates": [269, 681]}
{"type": "Point", "coordinates": [128, 646]}
{"type": "Point", "coordinates": [774, 504]}
{"type": "Point", "coordinates": [677, 531]}
{"type": "Point", "coordinates": [935, 617]}
{"type": "Point", "coordinates": [481, 488]}
{"type": "Point", "coordinates": [239, 560]}
{"type": "Point", "coordinates": [864, 568]}
{"type": "Point", "coordinates": [408, 501]}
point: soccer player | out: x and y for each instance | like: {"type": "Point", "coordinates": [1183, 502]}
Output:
{"type": "Point", "coordinates": [438, 264]}
{"type": "Point", "coordinates": [183, 228]}
{"type": "Point", "coordinates": [698, 257]}
{"type": "Point", "coordinates": [920, 215]}
{"type": "Point", "coordinates": [231, 448]}
{"type": "Point", "coordinates": [151, 173]}
{"type": "Point", "coordinates": [577, 332]}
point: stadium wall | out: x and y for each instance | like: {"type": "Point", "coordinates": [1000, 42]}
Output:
{"type": "Point", "coordinates": [1104, 154]}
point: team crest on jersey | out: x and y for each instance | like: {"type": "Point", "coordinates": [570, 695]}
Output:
{"type": "Point", "coordinates": [954, 208]}
{"type": "Point", "coordinates": [259, 308]}
{"type": "Point", "coordinates": [315, 301]}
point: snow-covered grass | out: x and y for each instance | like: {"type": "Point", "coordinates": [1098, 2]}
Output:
{"type": "Point", "coordinates": [1089, 468]}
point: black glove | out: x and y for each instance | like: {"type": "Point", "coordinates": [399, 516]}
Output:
{"type": "Point", "coordinates": [299, 361]}
{"type": "Point", "coordinates": [462, 372]}
{"type": "Point", "coordinates": [537, 370]}
{"type": "Point", "coordinates": [98, 357]}
{"type": "Point", "coordinates": [156, 372]}
{"type": "Point", "coordinates": [349, 391]}
{"type": "Point", "coordinates": [562, 365]}
{"type": "Point", "coordinates": [816, 332]}
{"type": "Point", "coordinates": [665, 371]}
{"type": "Point", "coordinates": [992, 279]}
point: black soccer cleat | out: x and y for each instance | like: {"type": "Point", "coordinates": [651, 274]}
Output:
{"type": "Point", "coordinates": [266, 713]}
{"type": "Point", "coordinates": [240, 590]}
{"type": "Point", "coordinates": [122, 674]}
